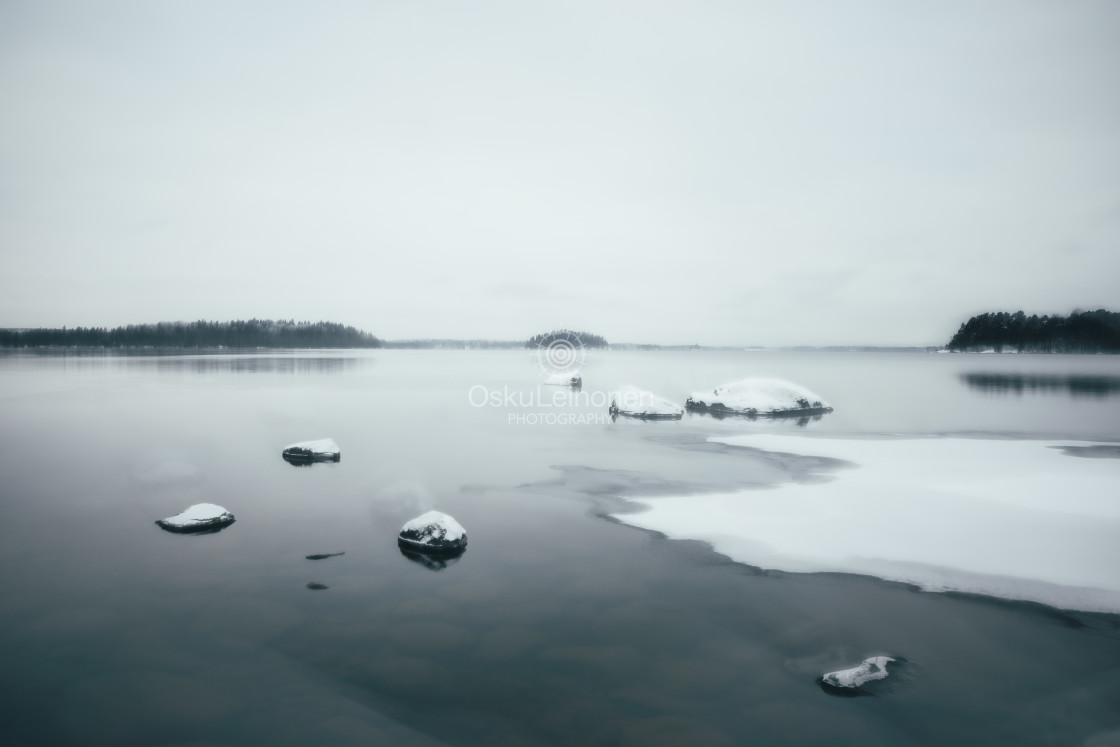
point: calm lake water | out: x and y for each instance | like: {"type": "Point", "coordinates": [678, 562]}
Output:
{"type": "Point", "coordinates": [558, 625]}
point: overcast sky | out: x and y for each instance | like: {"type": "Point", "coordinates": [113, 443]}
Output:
{"type": "Point", "coordinates": [721, 173]}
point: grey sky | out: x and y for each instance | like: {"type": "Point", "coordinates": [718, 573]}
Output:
{"type": "Point", "coordinates": [721, 173]}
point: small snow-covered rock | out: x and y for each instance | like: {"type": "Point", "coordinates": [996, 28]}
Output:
{"type": "Point", "coordinates": [564, 379]}
{"type": "Point", "coordinates": [433, 533]}
{"type": "Point", "coordinates": [874, 668]}
{"type": "Point", "coordinates": [633, 402]}
{"type": "Point", "coordinates": [321, 450]}
{"type": "Point", "coordinates": [759, 398]}
{"type": "Point", "coordinates": [200, 517]}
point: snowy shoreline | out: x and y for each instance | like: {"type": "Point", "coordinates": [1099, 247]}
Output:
{"type": "Point", "coordinates": [1017, 520]}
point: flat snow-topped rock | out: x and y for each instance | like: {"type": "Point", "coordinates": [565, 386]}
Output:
{"type": "Point", "coordinates": [874, 668]}
{"type": "Point", "coordinates": [305, 452]}
{"type": "Point", "coordinates": [564, 379]}
{"type": "Point", "coordinates": [201, 517]}
{"type": "Point", "coordinates": [434, 533]}
{"type": "Point", "coordinates": [632, 402]}
{"type": "Point", "coordinates": [768, 398]}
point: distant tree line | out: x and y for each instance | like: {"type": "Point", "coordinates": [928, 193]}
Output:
{"type": "Point", "coordinates": [446, 344]}
{"type": "Point", "coordinates": [255, 333]}
{"type": "Point", "coordinates": [576, 338]}
{"type": "Point", "coordinates": [1081, 332]}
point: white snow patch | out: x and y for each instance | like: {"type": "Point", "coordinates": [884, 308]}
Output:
{"type": "Point", "coordinates": [1013, 519]}
{"type": "Point", "coordinates": [199, 513]}
{"type": "Point", "coordinates": [630, 400]}
{"type": "Point", "coordinates": [451, 529]}
{"type": "Point", "coordinates": [869, 670]}
{"type": "Point", "coordinates": [766, 396]}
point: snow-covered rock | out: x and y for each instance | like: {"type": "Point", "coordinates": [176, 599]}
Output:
{"type": "Point", "coordinates": [759, 398]}
{"type": "Point", "coordinates": [201, 517]}
{"type": "Point", "coordinates": [321, 450]}
{"type": "Point", "coordinates": [433, 533]}
{"type": "Point", "coordinates": [869, 670]}
{"type": "Point", "coordinates": [564, 379]}
{"type": "Point", "coordinates": [633, 402]}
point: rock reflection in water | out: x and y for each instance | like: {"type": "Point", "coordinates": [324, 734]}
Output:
{"type": "Point", "coordinates": [798, 418]}
{"type": "Point", "coordinates": [432, 561]}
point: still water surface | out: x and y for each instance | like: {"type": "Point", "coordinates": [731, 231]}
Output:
{"type": "Point", "coordinates": [558, 626]}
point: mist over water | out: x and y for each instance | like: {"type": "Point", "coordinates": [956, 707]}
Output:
{"type": "Point", "coordinates": [557, 625]}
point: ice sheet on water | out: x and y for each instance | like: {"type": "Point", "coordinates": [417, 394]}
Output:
{"type": "Point", "coordinates": [1014, 519]}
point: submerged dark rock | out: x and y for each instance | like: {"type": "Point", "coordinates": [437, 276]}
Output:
{"type": "Point", "coordinates": [324, 556]}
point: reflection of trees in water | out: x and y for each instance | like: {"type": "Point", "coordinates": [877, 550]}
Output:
{"type": "Point", "coordinates": [178, 362]}
{"type": "Point", "coordinates": [1075, 385]}
{"type": "Point", "coordinates": [252, 364]}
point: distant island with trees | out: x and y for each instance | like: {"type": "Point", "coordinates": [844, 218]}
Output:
{"type": "Point", "coordinates": [577, 338]}
{"type": "Point", "coordinates": [262, 333]}
{"type": "Point", "coordinates": [254, 333]}
{"type": "Point", "coordinates": [1081, 332]}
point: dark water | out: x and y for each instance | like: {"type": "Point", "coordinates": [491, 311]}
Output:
{"type": "Point", "coordinates": [556, 626]}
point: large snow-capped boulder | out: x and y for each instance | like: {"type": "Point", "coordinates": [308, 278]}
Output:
{"type": "Point", "coordinates": [632, 402]}
{"type": "Point", "coordinates": [201, 517]}
{"type": "Point", "coordinates": [305, 452]}
{"type": "Point", "coordinates": [433, 533]}
{"type": "Point", "coordinates": [759, 398]}
{"type": "Point", "coordinates": [848, 681]}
